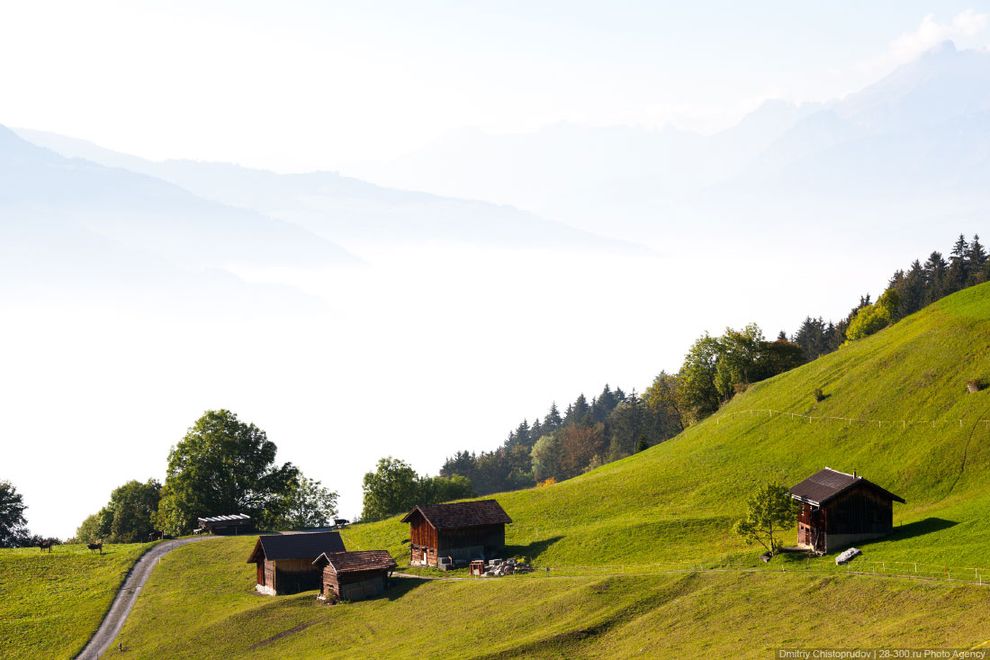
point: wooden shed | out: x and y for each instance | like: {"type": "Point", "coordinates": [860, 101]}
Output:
{"type": "Point", "coordinates": [839, 509]}
{"type": "Point", "coordinates": [285, 561]}
{"type": "Point", "coordinates": [235, 523]}
{"type": "Point", "coordinates": [461, 531]}
{"type": "Point", "coordinates": [354, 575]}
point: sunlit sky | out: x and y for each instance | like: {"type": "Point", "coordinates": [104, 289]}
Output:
{"type": "Point", "coordinates": [318, 85]}
{"type": "Point", "coordinates": [421, 354]}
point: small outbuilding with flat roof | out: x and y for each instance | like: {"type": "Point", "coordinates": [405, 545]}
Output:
{"type": "Point", "coordinates": [235, 523]}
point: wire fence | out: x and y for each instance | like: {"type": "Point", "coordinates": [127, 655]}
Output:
{"type": "Point", "coordinates": [907, 569]}
{"type": "Point", "coordinates": [772, 413]}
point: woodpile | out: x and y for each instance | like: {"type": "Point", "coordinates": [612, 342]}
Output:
{"type": "Point", "coordinates": [500, 567]}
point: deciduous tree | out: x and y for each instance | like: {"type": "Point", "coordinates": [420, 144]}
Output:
{"type": "Point", "coordinates": [223, 466]}
{"type": "Point", "coordinates": [13, 525]}
{"type": "Point", "coordinates": [392, 488]}
{"type": "Point", "coordinates": [771, 512]}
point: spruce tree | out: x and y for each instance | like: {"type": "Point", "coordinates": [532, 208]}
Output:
{"type": "Point", "coordinates": [977, 261]}
{"type": "Point", "coordinates": [553, 420]}
{"type": "Point", "coordinates": [958, 265]}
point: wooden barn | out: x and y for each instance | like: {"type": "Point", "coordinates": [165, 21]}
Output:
{"type": "Point", "coordinates": [460, 531]}
{"type": "Point", "coordinates": [236, 523]}
{"type": "Point", "coordinates": [285, 561]}
{"type": "Point", "coordinates": [838, 510]}
{"type": "Point", "coordinates": [354, 575]}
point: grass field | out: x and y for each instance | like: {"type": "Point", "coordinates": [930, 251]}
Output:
{"type": "Point", "coordinates": [642, 554]}
{"type": "Point", "coordinates": [50, 604]}
{"type": "Point", "coordinates": [205, 591]}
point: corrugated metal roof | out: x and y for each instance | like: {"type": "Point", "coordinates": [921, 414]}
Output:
{"type": "Point", "coordinates": [826, 484]}
{"type": "Point", "coordinates": [227, 518]}
{"type": "Point", "coordinates": [357, 561]}
{"type": "Point", "coordinates": [461, 514]}
{"type": "Point", "coordinates": [296, 546]}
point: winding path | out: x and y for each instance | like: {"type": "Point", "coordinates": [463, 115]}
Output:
{"type": "Point", "coordinates": [126, 595]}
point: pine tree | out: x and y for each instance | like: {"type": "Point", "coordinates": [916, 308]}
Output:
{"type": "Point", "coordinates": [935, 275]}
{"type": "Point", "coordinates": [958, 265]}
{"type": "Point", "coordinates": [977, 261]}
{"type": "Point", "coordinates": [578, 412]}
{"type": "Point", "coordinates": [535, 431]}
{"type": "Point", "coordinates": [553, 420]}
{"type": "Point", "coordinates": [522, 434]}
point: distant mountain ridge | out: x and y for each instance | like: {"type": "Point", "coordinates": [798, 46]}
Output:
{"type": "Point", "coordinates": [913, 145]}
{"type": "Point", "coordinates": [340, 208]}
{"type": "Point", "coordinates": [145, 213]}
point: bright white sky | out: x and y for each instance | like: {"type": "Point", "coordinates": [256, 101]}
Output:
{"type": "Point", "coordinates": [320, 85]}
{"type": "Point", "coordinates": [308, 85]}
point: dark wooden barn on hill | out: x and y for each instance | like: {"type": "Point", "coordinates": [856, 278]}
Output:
{"type": "Point", "coordinates": [285, 561]}
{"type": "Point", "coordinates": [461, 531]}
{"type": "Point", "coordinates": [839, 510]}
{"type": "Point", "coordinates": [354, 575]}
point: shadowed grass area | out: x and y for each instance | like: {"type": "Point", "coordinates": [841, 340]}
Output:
{"type": "Point", "coordinates": [50, 604]}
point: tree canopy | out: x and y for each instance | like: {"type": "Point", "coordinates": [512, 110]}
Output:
{"type": "Point", "coordinates": [308, 503]}
{"type": "Point", "coordinates": [771, 512]}
{"type": "Point", "coordinates": [13, 525]}
{"type": "Point", "coordinates": [394, 487]}
{"type": "Point", "coordinates": [223, 466]}
{"type": "Point", "coordinates": [127, 517]}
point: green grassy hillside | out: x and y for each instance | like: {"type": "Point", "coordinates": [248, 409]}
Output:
{"type": "Point", "coordinates": [917, 432]}
{"type": "Point", "coordinates": [200, 603]}
{"type": "Point", "coordinates": [896, 410]}
{"type": "Point", "coordinates": [50, 604]}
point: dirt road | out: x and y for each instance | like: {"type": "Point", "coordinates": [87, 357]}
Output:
{"type": "Point", "coordinates": [124, 600]}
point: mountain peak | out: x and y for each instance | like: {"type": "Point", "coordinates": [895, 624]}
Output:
{"type": "Point", "coordinates": [947, 47]}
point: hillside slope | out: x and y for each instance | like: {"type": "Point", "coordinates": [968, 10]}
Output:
{"type": "Point", "coordinates": [917, 432]}
{"type": "Point", "coordinates": [625, 542]}
{"type": "Point", "coordinates": [52, 602]}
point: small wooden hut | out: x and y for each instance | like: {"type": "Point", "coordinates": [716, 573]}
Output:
{"type": "Point", "coordinates": [285, 561]}
{"type": "Point", "coordinates": [354, 575]}
{"type": "Point", "coordinates": [839, 509]}
{"type": "Point", "coordinates": [460, 531]}
{"type": "Point", "coordinates": [236, 523]}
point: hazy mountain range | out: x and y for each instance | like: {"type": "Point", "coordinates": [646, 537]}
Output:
{"type": "Point", "coordinates": [339, 208]}
{"type": "Point", "coordinates": [911, 152]}
{"type": "Point", "coordinates": [914, 147]}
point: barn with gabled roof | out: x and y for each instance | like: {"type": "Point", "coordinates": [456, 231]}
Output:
{"type": "Point", "coordinates": [838, 509]}
{"type": "Point", "coordinates": [285, 561]}
{"type": "Point", "coordinates": [457, 532]}
{"type": "Point", "coordinates": [354, 575]}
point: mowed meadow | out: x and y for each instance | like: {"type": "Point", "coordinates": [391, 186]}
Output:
{"type": "Point", "coordinates": [51, 603]}
{"type": "Point", "coordinates": [641, 552]}
{"type": "Point", "coordinates": [206, 592]}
